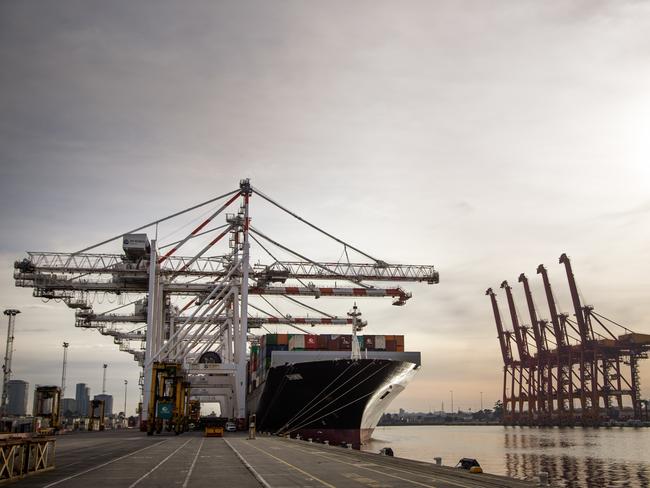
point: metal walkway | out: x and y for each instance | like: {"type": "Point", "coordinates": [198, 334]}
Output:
{"type": "Point", "coordinates": [130, 459]}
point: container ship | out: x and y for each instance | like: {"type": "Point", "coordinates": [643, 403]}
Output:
{"type": "Point", "coordinates": [310, 385]}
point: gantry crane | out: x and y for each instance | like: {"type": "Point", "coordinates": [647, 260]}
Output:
{"type": "Point", "coordinates": [215, 286]}
{"type": "Point", "coordinates": [583, 379]}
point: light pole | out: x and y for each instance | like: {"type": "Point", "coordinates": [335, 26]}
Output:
{"type": "Point", "coordinates": [452, 401]}
{"type": "Point", "coordinates": [6, 368]}
{"type": "Point", "coordinates": [126, 382]}
{"type": "Point", "coordinates": [104, 380]}
{"type": "Point", "coordinates": [63, 371]}
{"type": "Point", "coordinates": [481, 401]}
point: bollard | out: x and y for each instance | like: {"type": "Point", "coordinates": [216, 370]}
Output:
{"type": "Point", "coordinates": [543, 478]}
{"type": "Point", "coordinates": [326, 442]}
{"type": "Point", "coordinates": [298, 436]}
{"type": "Point", "coordinates": [438, 461]}
{"type": "Point", "coordinates": [309, 440]}
{"type": "Point", "coordinates": [349, 446]}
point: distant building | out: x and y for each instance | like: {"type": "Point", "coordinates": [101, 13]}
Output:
{"type": "Point", "coordinates": [69, 406]}
{"type": "Point", "coordinates": [17, 392]}
{"type": "Point", "coordinates": [108, 403]}
{"type": "Point", "coordinates": [82, 398]}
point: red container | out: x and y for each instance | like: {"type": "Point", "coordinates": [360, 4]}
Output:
{"type": "Point", "coordinates": [333, 343]}
{"type": "Point", "coordinates": [369, 342]}
{"type": "Point", "coordinates": [345, 343]}
{"type": "Point", "coordinates": [311, 341]}
{"type": "Point", "coordinates": [400, 348]}
{"type": "Point", "coordinates": [400, 340]}
{"type": "Point", "coordinates": [391, 345]}
{"type": "Point", "coordinates": [322, 341]}
{"type": "Point", "coordinates": [283, 339]}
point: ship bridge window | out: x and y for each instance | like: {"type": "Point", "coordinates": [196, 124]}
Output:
{"type": "Point", "coordinates": [294, 376]}
{"type": "Point", "coordinates": [384, 395]}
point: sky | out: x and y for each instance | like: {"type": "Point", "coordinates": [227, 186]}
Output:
{"type": "Point", "coordinates": [484, 138]}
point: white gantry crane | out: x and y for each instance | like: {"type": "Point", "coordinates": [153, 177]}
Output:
{"type": "Point", "coordinates": [197, 309]}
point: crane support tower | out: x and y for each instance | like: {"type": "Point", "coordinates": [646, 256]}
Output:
{"type": "Point", "coordinates": [9, 352]}
{"type": "Point", "coordinates": [47, 402]}
{"type": "Point", "coordinates": [197, 301]}
{"type": "Point", "coordinates": [575, 372]}
{"type": "Point", "coordinates": [169, 406]}
{"type": "Point", "coordinates": [96, 414]}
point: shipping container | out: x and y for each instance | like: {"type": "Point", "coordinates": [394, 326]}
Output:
{"type": "Point", "coordinates": [296, 342]}
{"type": "Point", "coordinates": [323, 341]}
{"type": "Point", "coordinates": [345, 343]}
{"type": "Point", "coordinates": [369, 342]}
{"type": "Point", "coordinates": [380, 343]}
{"type": "Point", "coordinates": [400, 340]}
{"type": "Point", "coordinates": [400, 348]}
{"type": "Point", "coordinates": [283, 339]}
{"type": "Point", "coordinates": [391, 345]}
{"type": "Point", "coordinates": [311, 341]}
{"type": "Point", "coordinates": [271, 339]}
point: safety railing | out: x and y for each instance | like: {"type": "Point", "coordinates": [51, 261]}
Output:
{"type": "Point", "coordinates": [21, 456]}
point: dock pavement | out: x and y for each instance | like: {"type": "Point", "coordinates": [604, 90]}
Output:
{"type": "Point", "coordinates": [129, 459]}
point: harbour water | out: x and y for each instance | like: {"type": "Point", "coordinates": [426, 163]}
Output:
{"type": "Point", "coordinates": [578, 457]}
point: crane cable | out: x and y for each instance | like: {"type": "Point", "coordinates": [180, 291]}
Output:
{"type": "Point", "coordinates": [156, 222]}
{"type": "Point", "coordinates": [296, 216]}
{"type": "Point", "coordinates": [312, 419]}
{"type": "Point", "coordinates": [309, 307]}
{"type": "Point", "coordinates": [316, 397]}
{"type": "Point", "coordinates": [326, 395]}
{"type": "Point", "coordinates": [160, 248]}
{"type": "Point", "coordinates": [318, 265]}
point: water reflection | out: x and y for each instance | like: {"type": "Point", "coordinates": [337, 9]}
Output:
{"type": "Point", "coordinates": [567, 470]}
{"type": "Point", "coordinates": [573, 457]}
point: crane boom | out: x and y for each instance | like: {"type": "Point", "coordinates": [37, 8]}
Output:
{"type": "Point", "coordinates": [557, 328]}
{"type": "Point", "coordinates": [505, 344]}
{"type": "Point", "coordinates": [351, 271]}
{"type": "Point", "coordinates": [585, 335]}
{"type": "Point", "coordinates": [520, 339]}
{"type": "Point", "coordinates": [539, 342]}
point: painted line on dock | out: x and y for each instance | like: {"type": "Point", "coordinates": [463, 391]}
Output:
{"type": "Point", "coordinates": [189, 473]}
{"type": "Point", "coordinates": [336, 458]}
{"type": "Point", "coordinates": [443, 477]}
{"type": "Point", "coordinates": [103, 464]}
{"type": "Point", "coordinates": [158, 465]}
{"type": "Point", "coordinates": [250, 468]}
{"type": "Point", "coordinates": [294, 467]}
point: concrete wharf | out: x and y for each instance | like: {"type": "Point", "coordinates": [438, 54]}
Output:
{"type": "Point", "coordinates": [129, 459]}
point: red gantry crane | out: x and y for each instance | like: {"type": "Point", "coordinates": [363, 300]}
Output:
{"type": "Point", "coordinates": [577, 374]}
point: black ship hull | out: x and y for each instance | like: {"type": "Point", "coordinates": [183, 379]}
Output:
{"type": "Point", "coordinates": [337, 400]}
